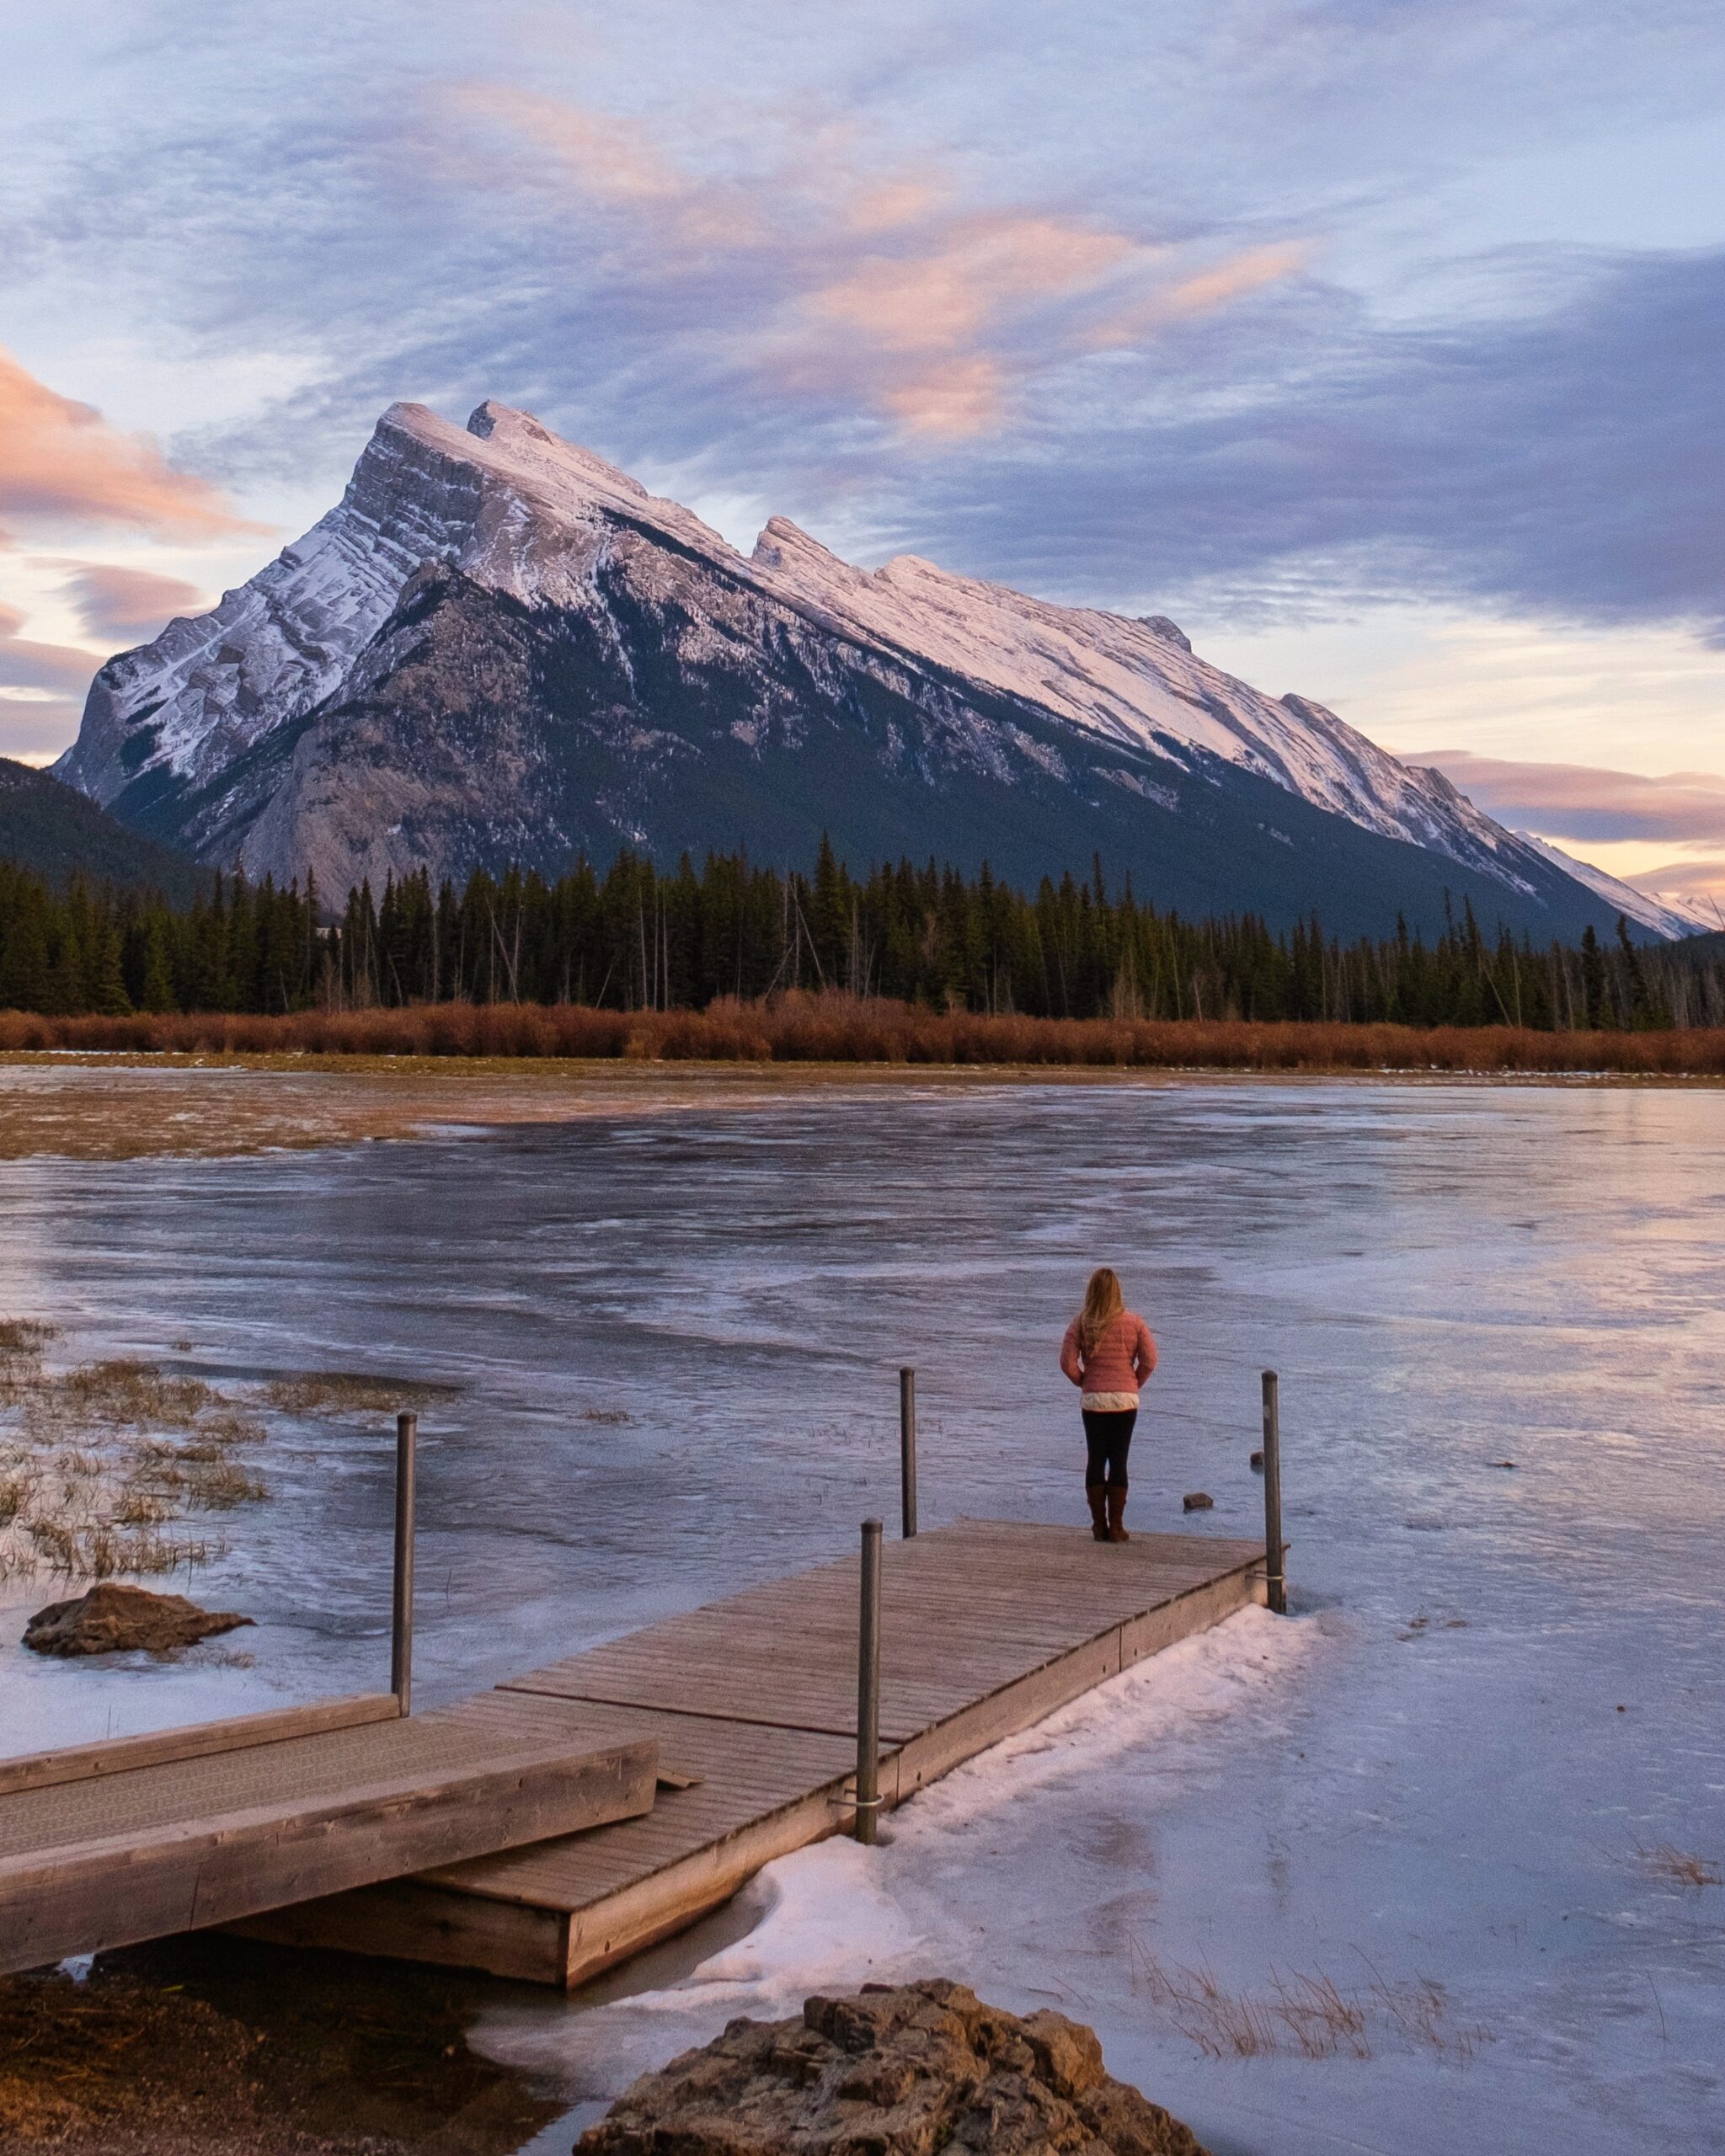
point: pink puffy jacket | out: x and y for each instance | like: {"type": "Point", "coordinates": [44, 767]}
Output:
{"type": "Point", "coordinates": [1120, 1361]}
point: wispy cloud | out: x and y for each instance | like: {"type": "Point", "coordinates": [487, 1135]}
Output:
{"type": "Point", "coordinates": [1584, 802]}
{"type": "Point", "coordinates": [62, 669]}
{"type": "Point", "coordinates": [750, 256]}
{"type": "Point", "coordinates": [123, 606]}
{"type": "Point", "coordinates": [36, 728]}
{"type": "Point", "coordinates": [60, 463]}
{"type": "Point", "coordinates": [879, 290]}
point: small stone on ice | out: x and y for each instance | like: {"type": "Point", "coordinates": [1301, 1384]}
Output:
{"type": "Point", "coordinates": [1198, 1501]}
{"type": "Point", "coordinates": [1257, 1463]}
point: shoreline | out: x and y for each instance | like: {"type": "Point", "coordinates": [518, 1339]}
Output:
{"type": "Point", "coordinates": [80, 1105]}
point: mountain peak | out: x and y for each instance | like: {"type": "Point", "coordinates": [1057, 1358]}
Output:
{"type": "Point", "coordinates": [603, 666]}
{"type": "Point", "coordinates": [491, 418]}
{"type": "Point", "coordinates": [786, 546]}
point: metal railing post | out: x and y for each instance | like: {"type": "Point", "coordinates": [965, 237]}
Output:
{"type": "Point", "coordinates": [401, 1645]}
{"type": "Point", "coordinates": [1275, 1583]}
{"type": "Point", "coordinates": [868, 1686]}
{"type": "Point", "coordinates": [907, 1450]}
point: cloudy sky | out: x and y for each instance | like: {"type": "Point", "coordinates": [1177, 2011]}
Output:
{"type": "Point", "coordinates": [1377, 341]}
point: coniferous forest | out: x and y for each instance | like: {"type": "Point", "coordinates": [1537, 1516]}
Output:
{"type": "Point", "coordinates": [635, 938]}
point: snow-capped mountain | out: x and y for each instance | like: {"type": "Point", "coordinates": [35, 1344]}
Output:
{"type": "Point", "coordinates": [1670, 914]}
{"type": "Point", "coordinates": [497, 648]}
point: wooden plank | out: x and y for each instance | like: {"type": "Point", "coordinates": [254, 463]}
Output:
{"type": "Point", "coordinates": [752, 1778]}
{"type": "Point", "coordinates": [408, 1920]}
{"type": "Point", "coordinates": [185, 1875]}
{"type": "Point", "coordinates": [430, 1749]}
{"type": "Point", "coordinates": [679, 1894]}
{"type": "Point", "coordinates": [1195, 1611]}
{"type": "Point", "coordinates": [118, 1755]}
{"type": "Point", "coordinates": [937, 1750]}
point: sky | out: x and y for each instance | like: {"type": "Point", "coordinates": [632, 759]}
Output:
{"type": "Point", "coordinates": [1375, 341]}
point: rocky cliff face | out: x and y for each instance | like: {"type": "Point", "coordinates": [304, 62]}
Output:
{"type": "Point", "coordinates": [498, 647]}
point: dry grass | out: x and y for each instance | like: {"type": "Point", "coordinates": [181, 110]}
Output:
{"type": "Point", "coordinates": [834, 1028]}
{"type": "Point", "coordinates": [220, 1486]}
{"type": "Point", "coordinates": [98, 1462]}
{"type": "Point", "coordinates": [1677, 1867]}
{"type": "Point", "coordinates": [337, 1392]}
{"type": "Point", "coordinates": [133, 1393]}
{"type": "Point", "coordinates": [136, 1508]}
{"type": "Point", "coordinates": [103, 1459]}
{"type": "Point", "coordinates": [1301, 2016]}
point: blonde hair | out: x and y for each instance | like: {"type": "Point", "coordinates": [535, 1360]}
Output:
{"type": "Point", "coordinates": [1103, 1303]}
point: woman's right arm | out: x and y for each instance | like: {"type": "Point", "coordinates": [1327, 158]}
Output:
{"type": "Point", "coordinates": [1071, 1361]}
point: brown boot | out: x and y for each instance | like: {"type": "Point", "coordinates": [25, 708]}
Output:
{"type": "Point", "coordinates": [1116, 1513]}
{"type": "Point", "coordinates": [1098, 1496]}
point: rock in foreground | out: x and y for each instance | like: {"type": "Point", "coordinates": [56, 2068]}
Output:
{"type": "Point", "coordinates": [111, 1618]}
{"type": "Point", "coordinates": [892, 2071]}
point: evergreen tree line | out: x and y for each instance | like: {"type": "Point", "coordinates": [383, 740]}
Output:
{"type": "Point", "coordinates": [638, 938]}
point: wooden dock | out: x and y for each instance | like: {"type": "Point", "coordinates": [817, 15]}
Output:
{"type": "Point", "coordinates": [110, 1845]}
{"type": "Point", "coordinates": [987, 1626]}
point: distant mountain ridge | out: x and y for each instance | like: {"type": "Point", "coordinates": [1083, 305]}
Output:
{"type": "Point", "coordinates": [498, 647]}
{"type": "Point", "coordinates": [51, 830]}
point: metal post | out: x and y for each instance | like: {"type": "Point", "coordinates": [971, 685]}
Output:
{"type": "Point", "coordinates": [868, 1686]}
{"type": "Point", "coordinates": [1275, 1585]}
{"type": "Point", "coordinates": [907, 1449]}
{"type": "Point", "coordinates": [401, 1650]}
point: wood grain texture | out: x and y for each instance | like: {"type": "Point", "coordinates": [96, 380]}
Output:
{"type": "Point", "coordinates": [987, 1627]}
{"type": "Point", "coordinates": [150, 1852]}
{"type": "Point", "coordinates": [194, 1741]}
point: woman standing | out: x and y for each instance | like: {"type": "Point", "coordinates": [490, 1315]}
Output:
{"type": "Point", "coordinates": [1107, 1353]}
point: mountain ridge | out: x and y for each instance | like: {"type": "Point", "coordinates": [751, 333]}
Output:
{"type": "Point", "coordinates": [498, 645]}
{"type": "Point", "coordinates": [54, 831]}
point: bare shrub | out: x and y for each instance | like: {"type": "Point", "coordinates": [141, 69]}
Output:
{"type": "Point", "coordinates": [16, 1488]}
{"type": "Point", "coordinates": [1677, 1867]}
{"type": "Point", "coordinates": [1300, 2015]}
{"type": "Point", "coordinates": [145, 1552]}
{"type": "Point", "coordinates": [56, 1543]}
{"type": "Point", "coordinates": [797, 1026]}
{"type": "Point", "coordinates": [16, 1563]}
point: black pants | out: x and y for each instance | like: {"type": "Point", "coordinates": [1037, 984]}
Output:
{"type": "Point", "coordinates": [1107, 1438]}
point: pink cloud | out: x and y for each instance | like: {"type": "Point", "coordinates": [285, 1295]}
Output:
{"type": "Point", "coordinates": [614, 161]}
{"type": "Point", "coordinates": [37, 731]}
{"type": "Point", "coordinates": [875, 290]}
{"type": "Point", "coordinates": [915, 325]}
{"type": "Point", "coordinates": [60, 667]}
{"type": "Point", "coordinates": [127, 607]}
{"type": "Point", "coordinates": [1686, 879]}
{"type": "Point", "coordinates": [876, 287]}
{"type": "Point", "coordinates": [1586, 802]}
{"type": "Point", "coordinates": [61, 463]}
{"type": "Point", "coordinates": [1202, 293]}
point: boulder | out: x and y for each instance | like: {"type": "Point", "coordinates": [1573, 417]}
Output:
{"type": "Point", "coordinates": [111, 1618]}
{"type": "Point", "coordinates": [1198, 1501]}
{"type": "Point", "coordinates": [891, 2070]}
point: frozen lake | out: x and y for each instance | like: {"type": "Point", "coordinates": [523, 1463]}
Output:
{"type": "Point", "coordinates": [1499, 1697]}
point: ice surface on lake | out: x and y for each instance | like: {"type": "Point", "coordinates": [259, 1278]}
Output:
{"type": "Point", "coordinates": [1447, 1277]}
